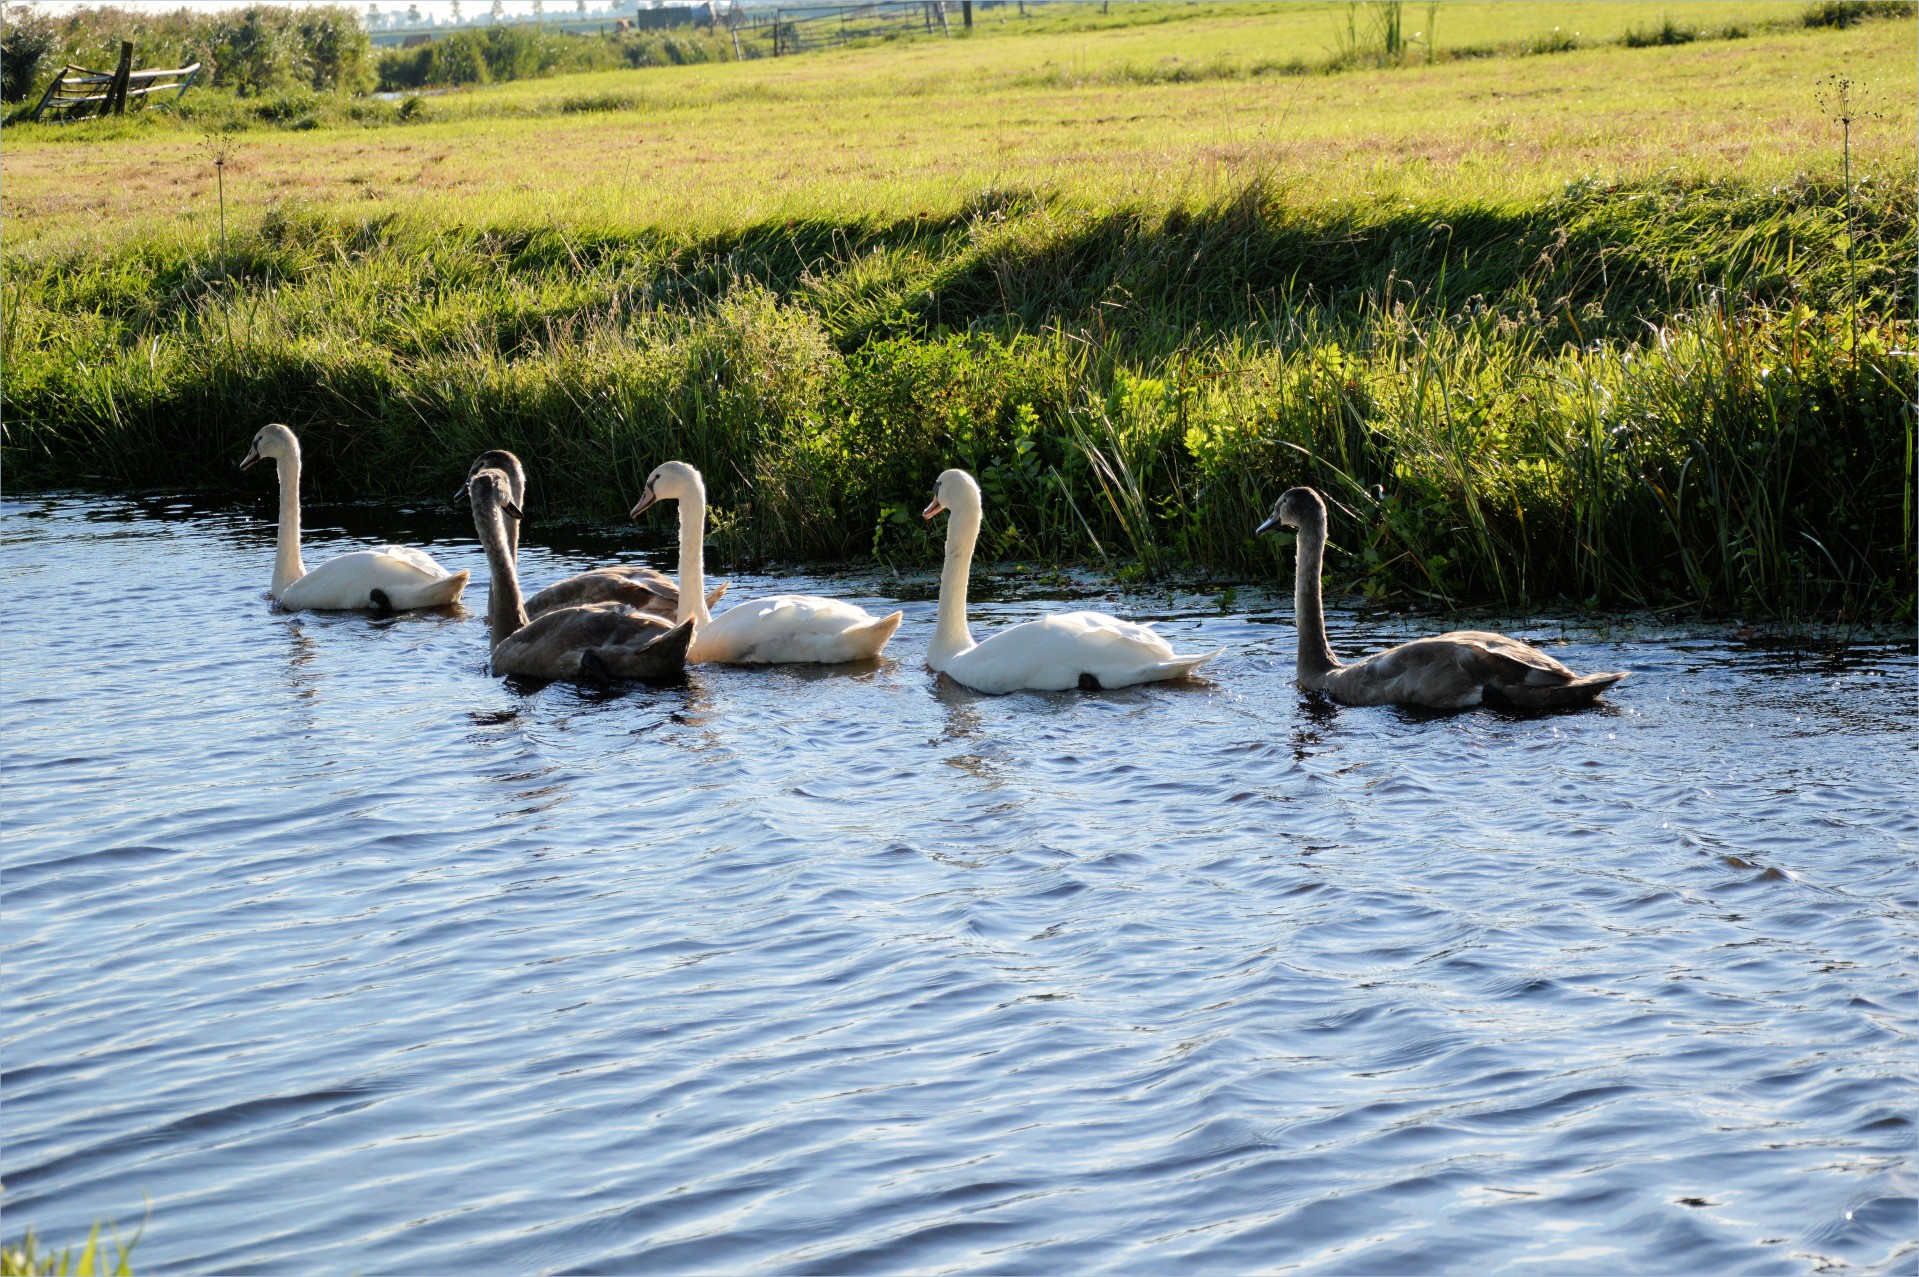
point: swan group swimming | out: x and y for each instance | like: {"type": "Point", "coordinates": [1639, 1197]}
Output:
{"type": "Point", "coordinates": [627, 621]}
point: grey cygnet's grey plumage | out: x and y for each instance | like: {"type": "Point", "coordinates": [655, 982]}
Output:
{"type": "Point", "coordinates": [587, 642]}
{"type": "Point", "coordinates": [1456, 670]}
{"type": "Point", "coordinates": [647, 589]}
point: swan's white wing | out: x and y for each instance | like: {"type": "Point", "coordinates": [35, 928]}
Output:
{"type": "Point", "coordinates": [348, 582]}
{"type": "Point", "coordinates": [788, 628]}
{"type": "Point", "coordinates": [1058, 653]}
{"type": "Point", "coordinates": [419, 560]}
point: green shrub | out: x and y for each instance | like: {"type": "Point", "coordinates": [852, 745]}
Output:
{"type": "Point", "coordinates": [482, 55]}
{"type": "Point", "coordinates": [255, 50]}
{"type": "Point", "coordinates": [27, 36]}
{"type": "Point", "coordinates": [1844, 13]}
{"type": "Point", "coordinates": [1667, 32]}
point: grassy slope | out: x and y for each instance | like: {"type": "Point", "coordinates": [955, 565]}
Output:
{"type": "Point", "coordinates": [887, 132]}
{"type": "Point", "coordinates": [1377, 281]}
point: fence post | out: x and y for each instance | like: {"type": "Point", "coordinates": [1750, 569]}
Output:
{"type": "Point", "coordinates": [52, 90]}
{"type": "Point", "coordinates": [117, 91]}
{"type": "Point", "coordinates": [966, 14]}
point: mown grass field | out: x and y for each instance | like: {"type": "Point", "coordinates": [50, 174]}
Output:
{"type": "Point", "coordinates": [1576, 324]}
{"type": "Point", "coordinates": [920, 129]}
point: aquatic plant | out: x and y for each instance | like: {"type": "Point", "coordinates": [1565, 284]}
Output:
{"type": "Point", "coordinates": [29, 1257]}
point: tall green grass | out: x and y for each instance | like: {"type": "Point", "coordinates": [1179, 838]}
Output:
{"type": "Point", "coordinates": [1624, 396]}
{"type": "Point", "coordinates": [31, 1258]}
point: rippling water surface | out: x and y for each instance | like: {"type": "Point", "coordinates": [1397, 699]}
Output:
{"type": "Point", "coordinates": [349, 957]}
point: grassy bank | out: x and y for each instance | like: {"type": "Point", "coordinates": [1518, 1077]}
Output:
{"type": "Point", "coordinates": [1629, 396]}
{"type": "Point", "coordinates": [1673, 387]}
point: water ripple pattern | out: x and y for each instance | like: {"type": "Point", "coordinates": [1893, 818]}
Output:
{"type": "Point", "coordinates": [346, 956]}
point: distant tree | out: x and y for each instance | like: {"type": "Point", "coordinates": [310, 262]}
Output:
{"type": "Point", "coordinates": [539, 10]}
{"type": "Point", "coordinates": [457, 17]}
{"type": "Point", "coordinates": [413, 12]}
{"type": "Point", "coordinates": [499, 10]}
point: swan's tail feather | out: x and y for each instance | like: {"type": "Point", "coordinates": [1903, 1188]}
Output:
{"type": "Point", "coordinates": [713, 595]}
{"type": "Point", "coordinates": [1579, 691]}
{"type": "Point", "coordinates": [442, 592]}
{"type": "Point", "coordinates": [873, 636]}
{"type": "Point", "coordinates": [662, 657]}
{"type": "Point", "coordinates": [1185, 666]}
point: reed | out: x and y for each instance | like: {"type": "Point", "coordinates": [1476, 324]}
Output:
{"type": "Point", "coordinates": [31, 1258]}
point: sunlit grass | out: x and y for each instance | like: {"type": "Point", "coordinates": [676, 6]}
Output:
{"type": "Point", "coordinates": [32, 1258]}
{"type": "Point", "coordinates": [919, 129]}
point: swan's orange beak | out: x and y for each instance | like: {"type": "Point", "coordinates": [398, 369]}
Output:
{"type": "Point", "coordinates": [933, 507]}
{"type": "Point", "coordinates": [253, 455]}
{"type": "Point", "coordinates": [647, 498]}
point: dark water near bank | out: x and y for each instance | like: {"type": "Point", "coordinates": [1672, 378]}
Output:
{"type": "Point", "coordinates": [352, 958]}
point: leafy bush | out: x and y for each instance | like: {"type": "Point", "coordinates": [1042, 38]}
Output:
{"type": "Point", "coordinates": [1667, 32]}
{"type": "Point", "coordinates": [483, 55]}
{"type": "Point", "coordinates": [1844, 13]}
{"type": "Point", "coordinates": [27, 36]}
{"type": "Point", "coordinates": [259, 49]}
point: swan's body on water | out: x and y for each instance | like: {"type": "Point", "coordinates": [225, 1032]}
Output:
{"type": "Point", "coordinates": [784, 629]}
{"type": "Point", "coordinates": [1456, 670]}
{"type": "Point", "coordinates": [391, 578]}
{"type": "Point", "coordinates": [1056, 653]}
{"type": "Point", "coordinates": [647, 589]}
{"type": "Point", "coordinates": [592, 641]}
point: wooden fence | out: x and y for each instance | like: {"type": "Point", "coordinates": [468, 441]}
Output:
{"type": "Point", "coordinates": [77, 91]}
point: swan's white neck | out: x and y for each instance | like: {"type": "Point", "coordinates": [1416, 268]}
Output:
{"type": "Point", "coordinates": [287, 567]}
{"type": "Point", "coordinates": [693, 559]}
{"type": "Point", "coordinates": [951, 637]}
{"type": "Point", "coordinates": [1316, 659]}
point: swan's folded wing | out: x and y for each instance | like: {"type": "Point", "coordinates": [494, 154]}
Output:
{"type": "Point", "coordinates": [792, 628]}
{"type": "Point", "coordinates": [643, 577]}
{"type": "Point", "coordinates": [796, 614]}
{"type": "Point", "coordinates": [1108, 635]}
{"type": "Point", "coordinates": [593, 640]}
{"type": "Point", "coordinates": [591, 625]}
{"type": "Point", "coordinates": [406, 558]}
{"type": "Point", "coordinates": [1063, 651]}
{"type": "Point", "coordinates": [641, 588]}
{"type": "Point", "coordinates": [1511, 658]}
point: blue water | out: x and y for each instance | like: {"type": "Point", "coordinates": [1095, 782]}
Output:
{"type": "Point", "coordinates": [326, 951]}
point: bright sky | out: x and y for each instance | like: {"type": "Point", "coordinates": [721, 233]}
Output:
{"type": "Point", "coordinates": [429, 8]}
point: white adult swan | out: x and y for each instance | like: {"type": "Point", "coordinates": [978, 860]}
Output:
{"type": "Point", "coordinates": [591, 641]}
{"type": "Point", "coordinates": [1449, 671]}
{"type": "Point", "coordinates": [1087, 650]}
{"type": "Point", "coordinates": [391, 578]}
{"type": "Point", "coordinates": [785, 629]}
{"type": "Point", "coordinates": [647, 589]}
